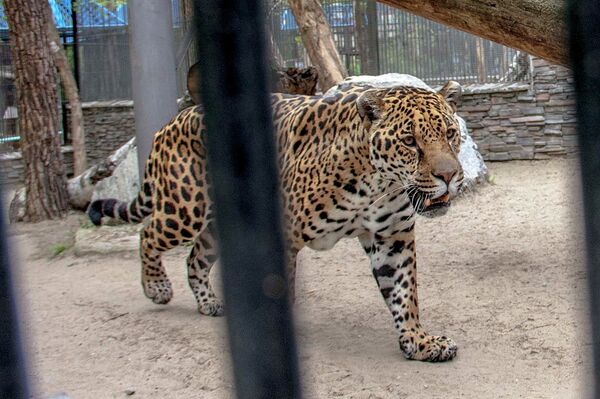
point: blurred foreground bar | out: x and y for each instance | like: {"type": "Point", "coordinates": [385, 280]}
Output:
{"type": "Point", "coordinates": [242, 166]}
{"type": "Point", "coordinates": [584, 26]}
{"type": "Point", "coordinates": [13, 383]}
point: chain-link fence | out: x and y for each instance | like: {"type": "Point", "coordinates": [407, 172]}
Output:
{"type": "Point", "coordinates": [374, 38]}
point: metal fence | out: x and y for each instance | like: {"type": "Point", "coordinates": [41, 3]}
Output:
{"type": "Point", "coordinates": [97, 46]}
{"type": "Point", "coordinates": [373, 39]}
{"type": "Point", "coordinates": [9, 136]}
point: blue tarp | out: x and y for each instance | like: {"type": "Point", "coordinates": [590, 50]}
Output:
{"type": "Point", "coordinates": [337, 14]}
{"type": "Point", "coordinates": [90, 14]}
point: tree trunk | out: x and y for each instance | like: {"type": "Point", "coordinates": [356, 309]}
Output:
{"type": "Point", "coordinates": [534, 26]}
{"type": "Point", "coordinates": [481, 69]}
{"type": "Point", "coordinates": [45, 182]}
{"type": "Point", "coordinates": [71, 92]}
{"type": "Point", "coordinates": [318, 41]}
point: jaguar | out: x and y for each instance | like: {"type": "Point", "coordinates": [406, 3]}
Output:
{"type": "Point", "coordinates": [359, 163]}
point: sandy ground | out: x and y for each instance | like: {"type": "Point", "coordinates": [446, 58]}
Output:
{"type": "Point", "coordinates": [501, 274]}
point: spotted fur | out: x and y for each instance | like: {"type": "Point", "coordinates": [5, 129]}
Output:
{"type": "Point", "coordinates": [360, 164]}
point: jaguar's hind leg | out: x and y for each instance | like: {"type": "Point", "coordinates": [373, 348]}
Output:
{"type": "Point", "coordinates": [199, 263]}
{"type": "Point", "coordinates": [155, 282]}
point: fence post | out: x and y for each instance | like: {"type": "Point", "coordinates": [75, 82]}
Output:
{"type": "Point", "coordinates": [373, 47]}
{"type": "Point", "coordinates": [242, 166]}
{"type": "Point", "coordinates": [153, 75]}
{"type": "Point", "coordinates": [13, 381]}
{"type": "Point", "coordinates": [584, 33]}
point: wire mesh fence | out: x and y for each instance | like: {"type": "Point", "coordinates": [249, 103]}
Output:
{"type": "Point", "coordinates": [372, 38]}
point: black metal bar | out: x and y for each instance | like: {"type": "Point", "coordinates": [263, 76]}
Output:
{"type": "Point", "coordinates": [372, 34]}
{"type": "Point", "coordinates": [74, 5]}
{"type": "Point", "coordinates": [585, 56]}
{"type": "Point", "coordinates": [246, 196]}
{"type": "Point", "coordinates": [13, 381]}
{"type": "Point", "coordinates": [63, 101]}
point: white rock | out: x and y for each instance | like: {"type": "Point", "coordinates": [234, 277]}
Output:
{"type": "Point", "coordinates": [123, 184]}
{"type": "Point", "coordinates": [381, 81]}
{"type": "Point", "coordinates": [474, 168]}
{"type": "Point", "coordinates": [107, 240]}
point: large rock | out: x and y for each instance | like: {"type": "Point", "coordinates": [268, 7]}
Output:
{"type": "Point", "coordinates": [472, 163]}
{"type": "Point", "coordinates": [107, 240]}
{"type": "Point", "coordinates": [123, 184]}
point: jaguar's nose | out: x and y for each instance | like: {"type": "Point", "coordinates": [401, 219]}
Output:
{"type": "Point", "coordinates": [445, 175]}
{"type": "Point", "coordinates": [445, 168]}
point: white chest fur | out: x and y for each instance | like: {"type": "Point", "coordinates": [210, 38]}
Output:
{"type": "Point", "coordinates": [381, 216]}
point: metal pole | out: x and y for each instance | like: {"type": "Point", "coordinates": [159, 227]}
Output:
{"type": "Point", "coordinates": [242, 164]}
{"type": "Point", "coordinates": [13, 381]}
{"type": "Point", "coordinates": [585, 56]}
{"type": "Point", "coordinates": [373, 47]}
{"type": "Point", "coordinates": [153, 76]}
{"type": "Point", "coordinates": [75, 41]}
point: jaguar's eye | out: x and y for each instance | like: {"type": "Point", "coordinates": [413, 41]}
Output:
{"type": "Point", "coordinates": [409, 141]}
{"type": "Point", "coordinates": [450, 133]}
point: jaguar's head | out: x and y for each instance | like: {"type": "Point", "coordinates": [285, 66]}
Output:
{"type": "Point", "coordinates": [414, 142]}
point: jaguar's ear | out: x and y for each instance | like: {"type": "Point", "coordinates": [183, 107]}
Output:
{"type": "Point", "coordinates": [452, 93]}
{"type": "Point", "coordinates": [370, 106]}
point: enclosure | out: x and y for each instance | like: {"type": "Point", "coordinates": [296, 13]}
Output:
{"type": "Point", "coordinates": [502, 272]}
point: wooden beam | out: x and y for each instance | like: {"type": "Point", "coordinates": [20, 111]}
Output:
{"type": "Point", "coordinates": [535, 26]}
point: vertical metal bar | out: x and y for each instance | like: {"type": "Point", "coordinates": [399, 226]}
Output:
{"type": "Point", "coordinates": [246, 196]}
{"type": "Point", "coordinates": [13, 381]}
{"type": "Point", "coordinates": [152, 61]}
{"type": "Point", "coordinates": [63, 102]}
{"type": "Point", "coordinates": [74, 5]}
{"type": "Point", "coordinates": [584, 35]}
{"type": "Point", "coordinates": [373, 39]}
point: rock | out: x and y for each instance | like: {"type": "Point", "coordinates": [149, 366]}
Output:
{"type": "Point", "coordinates": [380, 81]}
{"type": "Point", "coordinates": [469, 157]}
{"type": "Point", "coordinates": [107, 239]}
{"type": "Point", "coordinates": [123, 184]}
{"type": "Point", "coordinates": [59, 396]}
{"type": "Point", "coordinates": [81, 187]}
{"type": "Point", "coordinates": [16, 210]}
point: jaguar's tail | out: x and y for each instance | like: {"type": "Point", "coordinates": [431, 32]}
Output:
{"type": "Point", "coordinates": [131, 212]}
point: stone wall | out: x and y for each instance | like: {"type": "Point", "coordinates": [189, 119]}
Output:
{"type": "Point", "coordinates": [108, 125]}
{"type": "Point", "coordinates": [529, 120]}
{"type": "Point", "coordinates": [533, 120]}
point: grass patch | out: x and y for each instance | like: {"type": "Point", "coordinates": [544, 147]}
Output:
{"type": "Point", "coordinates": [58, 249]}
{"type": "Point", "coordinates": [86, 223]}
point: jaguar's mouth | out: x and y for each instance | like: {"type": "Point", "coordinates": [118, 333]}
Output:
{"type": "Point", "coordinates": [429, 207]}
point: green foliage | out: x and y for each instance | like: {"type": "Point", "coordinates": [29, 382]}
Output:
{"type": "Point", "coordinates": [57, 249]}
{"type": "Point", "coordinates": [85, 223]}
{"type": "Point", "coordinates": [111, 5]}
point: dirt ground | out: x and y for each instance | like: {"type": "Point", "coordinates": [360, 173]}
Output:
{"type": "Point", "coordinates": [501, 274]}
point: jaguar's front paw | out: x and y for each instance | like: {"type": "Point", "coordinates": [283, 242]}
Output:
{"type": "Point", "coordinates": [212, 308]}
{"type": "Point", "coordinates": [430, 348]}
{"type": "Point", "coordinates": [160, 292]}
